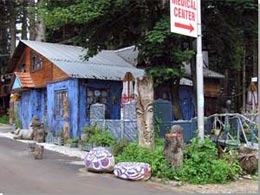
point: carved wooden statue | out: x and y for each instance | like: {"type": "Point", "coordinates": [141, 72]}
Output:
{"type": "Point", "coordinates": [38, 130]}
{"type": "Point", "coordinates": [173, 146]}
{"type": "Point", "coordinates": [144, 111]}
{"type": "Point", "coordinates": [66, 125]}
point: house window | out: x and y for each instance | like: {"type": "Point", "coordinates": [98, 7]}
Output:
{"type": "Point", "coordinates": [96, 96]}
{"type": "Point", "coordinates": [59, 98]}
{"type": "Point", "coordinates": [36, 62]}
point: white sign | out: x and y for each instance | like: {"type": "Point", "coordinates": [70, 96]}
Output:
{"type": "Point", "coordinates": [254, 79]}
{"type": "Point", "coordinates": [184, 17]}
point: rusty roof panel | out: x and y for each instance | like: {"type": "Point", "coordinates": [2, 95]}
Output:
{"type": "Point", "coordinates": [25, 79]}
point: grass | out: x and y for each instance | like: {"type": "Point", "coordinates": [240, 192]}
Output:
{"type": "Point", "coordinates": [4, 119]}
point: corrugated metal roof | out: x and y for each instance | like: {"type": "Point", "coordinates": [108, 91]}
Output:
{"type": "Point", "coordinates": [129, 54]}
{"type": "Point", "coordinates": [106, 65]}
{"type": "Point", "coordinates": [206, 72]}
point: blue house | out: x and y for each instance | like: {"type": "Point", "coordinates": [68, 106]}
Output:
{"type": "Point", "coordinates": [47, 73]}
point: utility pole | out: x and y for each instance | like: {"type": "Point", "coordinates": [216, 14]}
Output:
{"type": "Point", "coordinates": [199, 69]}
{"type": "Point", "coordinates": [258, 76]}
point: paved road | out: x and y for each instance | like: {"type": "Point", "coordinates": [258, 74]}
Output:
{"type": "Point", "coordinates": [56, 174]}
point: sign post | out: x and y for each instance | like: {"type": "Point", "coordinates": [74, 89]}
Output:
{"type": "Point", "coordinates": [200, 83]}
{"type": "Point", "coordinates": [258, 75]}
{"type": "Point", "coordinates": [186, 20]}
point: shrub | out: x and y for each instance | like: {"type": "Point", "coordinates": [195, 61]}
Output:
{"type": "Point", "coordinates": [104, 138]}
{"type": "Point", "coordinates": [96, 135]}
{"type": "Point", "coordinates": [201, 163]}
{"type": "Point", "coordinates": [135, 153]}
{"type": "Point", "coordinates": [4, 119]}
{"type": "Point", "coordinates": [119, 147]}
{"type": "Point", "coordinates": [202, 166]}
{"type": "Point", "coordinates": [72, 140]}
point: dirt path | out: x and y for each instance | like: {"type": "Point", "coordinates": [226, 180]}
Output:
{"type": "Point", "coordinates": [240, 186]}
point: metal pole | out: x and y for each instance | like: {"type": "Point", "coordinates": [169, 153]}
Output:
{"type": "Point", "coordinates": [199, 69]}
{"type": "Point", "coordinates": [258, 76]}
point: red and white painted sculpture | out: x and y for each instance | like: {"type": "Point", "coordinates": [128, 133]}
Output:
{"type": "Point", "coordinates": [133, 170]}
{"type": "Point", "coordinates": [99, 160]}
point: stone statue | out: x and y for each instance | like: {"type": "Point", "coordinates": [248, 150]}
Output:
{"type": "Point", "coordinates": [66, 125]}
{"type": "Point", "coordinates": [144, 111]}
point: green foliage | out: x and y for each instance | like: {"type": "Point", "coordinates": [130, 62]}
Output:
{"type": "Point", "coordinates": [201, 165]}
{"type": "Point", "coordinates": [74, 140]}
{"type": "Point", "coordinates": [119, 147]}
{"type": "Point", "coordinates": [96, 135]}
{"type": "Point", "coordinates": [164, 52]}
{"type": "Point", "coordinates": [17, 122]}
{"type": "Point", "coordinates": [13, 113]}
{"type": "Point", "coordinates": [104, 138]}
{"type": "Point", "coordinates": [229, 25]}
{"type": "Point", "coordinates": [135, 153]}
{"type": "Point", "coordinates": [89, 131]}
{"type": "Point", "coordinates": [4, 119]}
{"type": "Point", "coordinates": [78, 13]}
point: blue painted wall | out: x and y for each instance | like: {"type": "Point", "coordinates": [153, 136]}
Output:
{"type": "Point", "coordinates": [114, 97]}
{"type": "Point", "coordinates": [186, 100]}
{"type": "Point", "coordinates": [56, 123]}
{"type": "Point", "coordinates": [76, 90]}
{"type": "Point", "coordinates": [31, 103]}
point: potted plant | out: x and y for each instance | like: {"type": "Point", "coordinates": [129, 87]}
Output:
{"type": "Point", "coordinates": [49, 138]}
{"type": "Point", "coordinates": [58, 138]}
{"type": "Point", "coordinates": [72, 142]}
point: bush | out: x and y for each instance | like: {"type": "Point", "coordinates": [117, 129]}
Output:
{"type": "Point", "coordinates": [72, 140]}
{"type": "Point", "coordinates": [98, 136]}
{"type": "Point", "coordinates": [201, 163]}
{"type": "Point", "coordinates": [135, 153]}
{"type": "Point", "coordinates": [4, 119]}
{"type": "Point", "coordinates": [119, 147]}
{"type": "Point", "coordinates": [202, 166]}
{"type": "Point", "coordinates": [104, 138]}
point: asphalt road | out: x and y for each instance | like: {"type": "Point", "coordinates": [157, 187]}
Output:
{"type": "Point", "coordinates": [56, 174]}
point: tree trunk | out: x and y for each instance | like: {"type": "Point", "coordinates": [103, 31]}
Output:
{"type": "Point", "coordinates": [12, 25]}
{"type": "Point", "coordinates": [144, 111]}
{"type": "Point", "coordinates": [24, 20]}
{"type": "Point", "coordinates": [4, 53]}
{"type": "Point", "coordinates": [40, 24]}
{"type": "Point", "coordinates": [32, 20]}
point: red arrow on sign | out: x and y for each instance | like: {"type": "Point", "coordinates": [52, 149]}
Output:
{"type": "Point", "coordinates": [185, 26]}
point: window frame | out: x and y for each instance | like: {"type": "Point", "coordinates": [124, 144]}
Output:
{"type": "Point", "coordinates": [58, 102]}
{"type": "Point", "coordinates": [36, 62]}
{"type": "Point", "coordinates": [92, 97]}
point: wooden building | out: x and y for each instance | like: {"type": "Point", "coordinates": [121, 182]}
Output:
{"type": "Point", "coordinates": [48, 73]}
